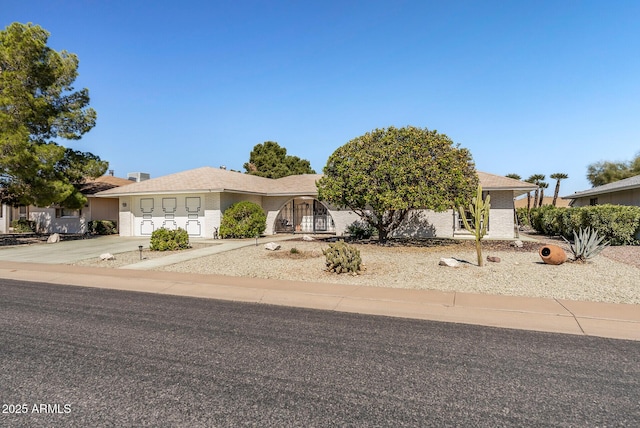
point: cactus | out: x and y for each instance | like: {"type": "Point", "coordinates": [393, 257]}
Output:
{"type": "Point", "coordinates": [479, 210]}
{"type": "Point", "coordinates": [586, 244]}
{"type": "Point", "coordinates": [342, 258]}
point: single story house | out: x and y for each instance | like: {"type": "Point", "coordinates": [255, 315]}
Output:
{"type": "Point", "coordinates": [196, 199]}
{"type": "Point", "coordinates": [621, 192]}
{"type": "Point", "coordinates": [55, 219]}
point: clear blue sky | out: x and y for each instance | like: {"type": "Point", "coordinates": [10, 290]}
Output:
{"type": "Point", "coordinates": [527, 86]}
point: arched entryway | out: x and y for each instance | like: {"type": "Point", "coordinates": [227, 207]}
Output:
{"type": "Point", "coordinates": [304, 215]}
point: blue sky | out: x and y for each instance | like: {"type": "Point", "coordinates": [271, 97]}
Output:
{"type": "Point", "coordinates": [527, 86]}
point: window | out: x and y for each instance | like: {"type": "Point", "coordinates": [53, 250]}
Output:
{"type": "Point", "coordinates": [593, 201]}
{"type": "Point", "coordinates": [67, 213]}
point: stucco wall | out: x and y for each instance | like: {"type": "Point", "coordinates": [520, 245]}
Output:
{"type": "Point", "coordinates": [626, 197]}
{"type": "Point", "coordinates": [125, 217]}
{"type": "Point", "coordinates": [103, 209]}
{"type": "Point", "coordinates": [4, 218]}
{"type": "Point", "coordinates": [46, 221]}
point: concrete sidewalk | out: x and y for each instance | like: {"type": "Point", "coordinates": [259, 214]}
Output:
{"type": "Point", "coordinates": [550, 315]}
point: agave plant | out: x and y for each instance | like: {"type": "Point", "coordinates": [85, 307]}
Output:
{"type": "Point", "coordinates": [586, 244]}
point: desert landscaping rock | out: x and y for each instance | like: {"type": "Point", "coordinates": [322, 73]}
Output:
{"type": "Point", "coordinates": [107, 256]}
{"type": "Point", "coordinates": [271, 246]}
{"type": "Point", "coordinates": [53, 238]}
{"type": "Point", "coordinates": [445, 261]}
{"type": "Point", "coordinates": [493, 259]}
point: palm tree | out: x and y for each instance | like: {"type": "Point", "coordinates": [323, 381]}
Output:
{"type": "Point", "coordinates": [542, 185]}
{"type": "Point", "coordinates": [514, 176]}
{"type": "Point", "coordinates": [534, 179]}
{"type": "Point", "coordinates": [558, 176]}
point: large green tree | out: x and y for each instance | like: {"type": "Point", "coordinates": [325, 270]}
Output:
{"type": "Point", "coordinates": [38, 107]}
{"type": "Point", "coordinates": [385, 173]}
{"type": "Point", "coordinates": [605, 172]}
{"type": "Point", "coordinates": [270, 160]}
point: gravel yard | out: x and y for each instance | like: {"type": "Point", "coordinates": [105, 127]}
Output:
{"type": "Point", "coordinates": [614, 276]}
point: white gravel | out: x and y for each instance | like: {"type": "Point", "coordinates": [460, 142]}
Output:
{"type": "Point", "coordinates": [611, 277]}
{"type": "Point", "coordinates": [520, 273]}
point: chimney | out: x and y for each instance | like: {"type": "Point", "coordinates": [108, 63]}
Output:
{"type": "Point", "coordinates": [111, 172]}
{"type": "Point", "coordinates": [223, 167]}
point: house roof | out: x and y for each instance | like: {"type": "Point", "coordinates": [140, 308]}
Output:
{"type": "Point", "coordinates": [498, 182]}
{"type": "Point", "coordinates": [208, 179]}
{"type": "Point", "coordinates": [616, 186]}
{"type": "Point", "coordinates": [101, 184]}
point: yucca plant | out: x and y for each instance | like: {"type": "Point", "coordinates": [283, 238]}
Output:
{"type": "Point", "coordinates": [586, 244]}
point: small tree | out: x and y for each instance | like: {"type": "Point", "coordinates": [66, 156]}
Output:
{"type": "Point", "coordinates": [479, 210]}
{"type": "Point", "coordinates": [385, 173]}
{"type": "Point", "coordinates": [243, 220]}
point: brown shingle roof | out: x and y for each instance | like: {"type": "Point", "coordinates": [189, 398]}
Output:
{"type": "Point", "coordinates": [207, 179]}
{"type": "Point", "coordinates": [103, 183]}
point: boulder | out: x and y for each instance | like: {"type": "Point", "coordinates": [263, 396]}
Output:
{"type": "Point", "coordinates": [494, 259]}
{"type": "Point", "coordinates": [307, 238]}
{"type": "Point", "coordinates": [107, 256]}
{"type": "Point", "coordinates": [517, 243]}
{"type": "Point", "coordinates": [53, 238]}
{"type": "Point", "coordinates": [271, 246]}
{"type": "Point", "coordinates": [445, 261]}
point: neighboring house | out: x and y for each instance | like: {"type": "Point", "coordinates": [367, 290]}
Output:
{"type": "Point", "coordinates": [195, 200]}
{"type": "Point", "coordinates": [62, 220]}
{"type": "Point", "coordinates": [621, 192]}
{"type": "Point", "coordinates": [546, 200]}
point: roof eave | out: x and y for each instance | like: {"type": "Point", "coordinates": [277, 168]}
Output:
{"type": "Point", "coordinates": [600, 192]}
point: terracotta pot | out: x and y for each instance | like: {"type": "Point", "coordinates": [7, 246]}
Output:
{"type": "Point", "coordinates": [552, 254]}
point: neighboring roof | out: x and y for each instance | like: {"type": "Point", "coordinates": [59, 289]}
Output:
{"type": "Point", "coordinates": [617, 186]}
{"type": "Point", "coordinates": [208, 179]}
{"type": "Point", "coordinates": [498, 182]}
{"type": "Point", "coordinates": [103, 183]}
{"type": "Point", "coordinates": [547, 200]}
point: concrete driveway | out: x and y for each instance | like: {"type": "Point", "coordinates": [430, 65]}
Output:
{"type": "Point", "coordinates": [71, 251]}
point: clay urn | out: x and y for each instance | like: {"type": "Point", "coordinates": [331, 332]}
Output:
{"type": "Point", "coordinates": [552, 254]}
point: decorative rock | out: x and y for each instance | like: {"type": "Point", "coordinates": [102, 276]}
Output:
{"type": "Point", "coordinates": [107, 256]}
{"type": "Point", "coordinates": [494, 259]}
{"type": "Point", "coordinates": [552, 254]}
{"type": "Point", "coordinates": [517, 244]}
{"type": "Point", "coordinates": [53, 239]}
{"type": "Point", "coordinates": [307, 238]}
{"type": "Point", "coordinates": [444, 261]}
{"type": "Point", "coordinates": [271, 246]}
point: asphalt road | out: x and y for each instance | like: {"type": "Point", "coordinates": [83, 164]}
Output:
{"type": "Point", "coordinates": [74, 356]}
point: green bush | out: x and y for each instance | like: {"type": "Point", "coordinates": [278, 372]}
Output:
{"type": "Point", "coordinates": [523, 216]}
{"type": "Point", "coordinates": [243, 220]}
{"type": "Point", "coordinates": [102, 227]}
{"type": "Point", "coordinates": [342, 258]}
{"type": "Point", "coordinates": [360, 230]}
{"type": "Point", "coordinates": [618, 224]}
{"type": "Point", "coordinates": [165, 239]}
{"type": "Point", "coordinates": [23, 226]}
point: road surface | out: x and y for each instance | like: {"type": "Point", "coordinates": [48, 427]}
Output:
{"type": "Point", "coordinates": [75, 356]}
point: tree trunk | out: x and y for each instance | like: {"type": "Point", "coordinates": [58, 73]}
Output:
{"type": "Point", "coordinates": [556, 192]}
{"type": "Point", "coordinates": [382, 235]}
